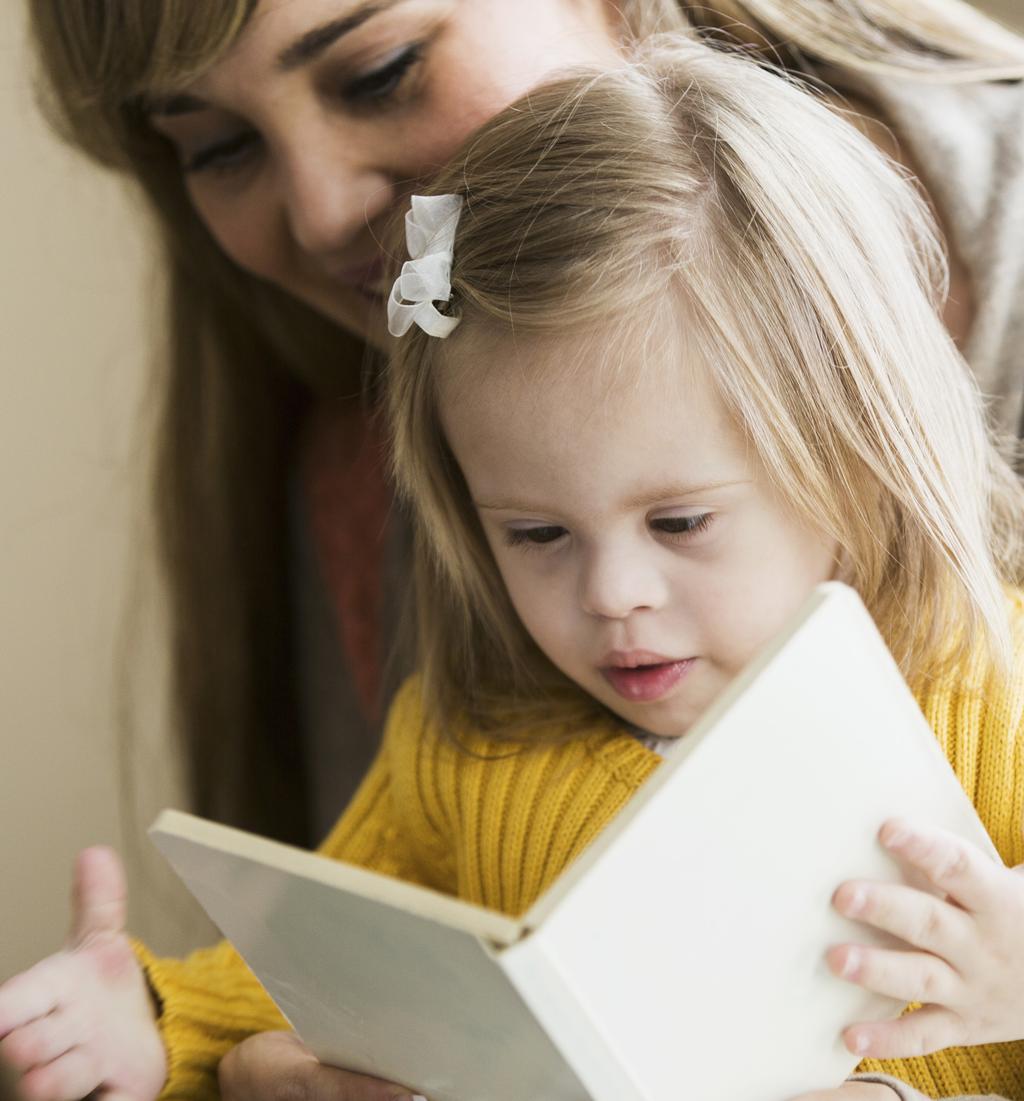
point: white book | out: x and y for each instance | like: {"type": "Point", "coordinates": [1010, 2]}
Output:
{"type": "Point", "coordinates": [681, 956]}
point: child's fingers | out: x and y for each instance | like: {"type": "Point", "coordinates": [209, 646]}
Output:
{"type": "Point", "coordinates": [905, 976]}
{"type": "Point", "coordinates": [919, 1033]}
{"type": "Point", "coordinates": [33, 993]}
{"type": "Point", "coordinates": [72, 1076]}
{"type": "Point", "coordinates": [40, 1041]}
{"type": "Point", "coordinates": [959, 869]}
{"type": "Point", "coordinates": [916, 917]}
{"type": "Point", "coordinates": [99, 894]}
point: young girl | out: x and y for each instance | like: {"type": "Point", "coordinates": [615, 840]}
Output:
{"type": "Point", "coordinates": [671, 357]}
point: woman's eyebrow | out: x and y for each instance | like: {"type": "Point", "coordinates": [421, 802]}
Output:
{"type": "Point", "coordinates": [303, 50]}
{"type": "Point", "coordinates": [168, 106]}
{"type": "Point", "coordinates": [313, 43]}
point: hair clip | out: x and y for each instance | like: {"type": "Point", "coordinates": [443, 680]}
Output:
{"type": "Point", "coordinates": [430, 226]}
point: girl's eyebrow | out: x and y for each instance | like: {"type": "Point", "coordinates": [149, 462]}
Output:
{"type": "Point", "coordinates": [664, 493]}
{"type": "Point", "coordinates": [305, 49]}
{"type": "Point", "coordinates": [642, 500]}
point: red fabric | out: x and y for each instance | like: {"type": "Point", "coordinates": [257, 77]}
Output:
{"type": "Point", "coordinates": [343, 475]}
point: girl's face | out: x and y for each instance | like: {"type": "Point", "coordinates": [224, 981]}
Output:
{"type": "Point", "coordinates": [324, 115]}
{"type": "Point", "coordinates": [638, 539]}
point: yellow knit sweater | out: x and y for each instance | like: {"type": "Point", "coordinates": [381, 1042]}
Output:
{"type": "Point", "coordinates": [496, 826]}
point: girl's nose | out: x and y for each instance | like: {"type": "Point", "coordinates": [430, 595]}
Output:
{"type": "Point", "coordinates": [330, 198]}
{"type": "Point", "coordinates": [613, 586]}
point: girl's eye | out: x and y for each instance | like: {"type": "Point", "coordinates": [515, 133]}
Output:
{"type": "Point", "coordinates": [538, 536]}
{"type": "Point", "coordinates": [377, 85]}
{"type": "Point", "coordinates": [224, 156]}
{"type": "Point", "coordinates": [683, 525]}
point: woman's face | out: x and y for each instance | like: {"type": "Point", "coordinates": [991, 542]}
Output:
{"type": "Point", "coordinates": [325, 115]}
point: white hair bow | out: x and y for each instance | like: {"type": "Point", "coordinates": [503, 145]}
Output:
{"type": "Point", "coordinates": [430, 227]}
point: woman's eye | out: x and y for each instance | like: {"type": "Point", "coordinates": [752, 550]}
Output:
{"type": "Point", "coordinates": [538, 536]}
{"type": "Point", "coordinates": [224, 156]}
{"type": "Point", "coordinates": [683, 525]}
{"type": "Point", "coordinates": [384, 81]}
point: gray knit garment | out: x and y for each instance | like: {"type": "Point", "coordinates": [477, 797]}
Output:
{"type": "Point", "coordinates": [968, 141]}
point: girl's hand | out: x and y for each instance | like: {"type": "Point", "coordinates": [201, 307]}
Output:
{"type": "Point", "coordinates": [82, 1020]}
{"type": "Point", "coordinates": [966, 964]}
{"type": "Point", "coordinates": [272, 1065]}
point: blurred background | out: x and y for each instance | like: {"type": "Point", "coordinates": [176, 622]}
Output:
{"type": "Point", "coordinates": [77, 587]}
{"type": "Point", "coordinates": [77, 584]}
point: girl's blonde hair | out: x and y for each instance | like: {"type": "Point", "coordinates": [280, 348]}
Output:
{"type": "Point", "coordinates": [243, 359]}
{"type": "Point", "coordinates": [811, 276]}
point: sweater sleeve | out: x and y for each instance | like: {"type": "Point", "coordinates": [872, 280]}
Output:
{"type": "Point", "coordinates": [211, 1001]}
{"type": "Point", "coordinates": [908, 1093]}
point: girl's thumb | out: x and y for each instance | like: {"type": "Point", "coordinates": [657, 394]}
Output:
{"type": "Point", "coordinates": [99, 895]}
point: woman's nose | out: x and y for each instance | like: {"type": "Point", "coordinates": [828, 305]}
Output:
{"type": "Point", "coordinates": [330, 197]}
{"type": "Point", "coordinates": [613, 586]}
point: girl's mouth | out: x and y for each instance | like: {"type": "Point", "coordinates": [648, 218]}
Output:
{"type": "Point", "coordinates": [646, 683]}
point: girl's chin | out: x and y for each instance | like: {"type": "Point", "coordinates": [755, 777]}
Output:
{"type": "Point", "coordinates": [666, 719]}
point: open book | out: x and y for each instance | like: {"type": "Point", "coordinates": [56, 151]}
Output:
{"type": "Point", "coordinates": [680, 957]}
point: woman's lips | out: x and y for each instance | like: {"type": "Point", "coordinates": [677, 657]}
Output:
{"type": "Point", "coordinates": [646, 683]}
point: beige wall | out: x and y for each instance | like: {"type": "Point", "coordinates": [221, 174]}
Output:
{"type": "Point", "coordinates": [75, 296]}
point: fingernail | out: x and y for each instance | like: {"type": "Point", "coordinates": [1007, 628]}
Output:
{"type": "Point", "coordinates": [852, 963]}
{"type": "Point", "coordinates": [896, 838]}
{"type": "Point", "coordinates": [860, 1043]}
{"type": "Point", "coordinates": [855, 901]}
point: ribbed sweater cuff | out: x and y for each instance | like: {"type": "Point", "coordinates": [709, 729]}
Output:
{"type": "Point", "coordinates": [210, 1003]}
